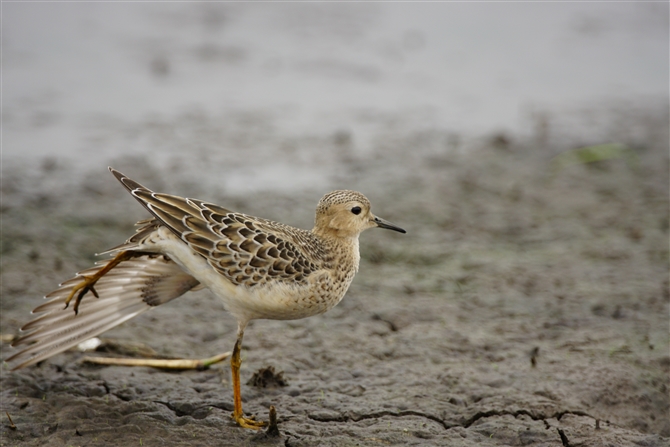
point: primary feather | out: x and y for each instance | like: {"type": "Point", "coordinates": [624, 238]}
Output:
{"type": "Point", "coordinates": [131, 288]}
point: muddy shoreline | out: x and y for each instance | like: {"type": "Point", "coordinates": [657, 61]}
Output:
{"type": "Point", "coordinates": [503, 266]}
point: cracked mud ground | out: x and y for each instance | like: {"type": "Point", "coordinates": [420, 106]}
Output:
{"type": "Point", "coordinates": [502, 267]}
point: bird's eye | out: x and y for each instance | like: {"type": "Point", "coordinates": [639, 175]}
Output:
{"type": "Point", "coordinates": [356, 210]}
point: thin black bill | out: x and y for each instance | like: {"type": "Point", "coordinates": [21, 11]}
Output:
{"type": "Point", "coordinates": [381, 223]}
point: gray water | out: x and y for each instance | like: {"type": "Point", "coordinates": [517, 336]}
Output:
{"type": "Point", "coordinates": [262, 90]}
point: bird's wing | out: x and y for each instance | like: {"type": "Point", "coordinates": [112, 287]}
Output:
{"type": "Point", "coordinates": [130, 288]}
{"type": "Point", "coordinates": [244, 249]}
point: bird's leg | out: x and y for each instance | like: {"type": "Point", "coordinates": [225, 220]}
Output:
{"type": "Point", "coordinates": [88, 282]}
{"type": "Point", "coordinates": [235, 363]}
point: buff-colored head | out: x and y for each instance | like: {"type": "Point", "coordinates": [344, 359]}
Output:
{"type": "Point", "coordinates": [346, 214]}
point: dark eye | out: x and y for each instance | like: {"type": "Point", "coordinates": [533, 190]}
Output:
{"type": "Point", "coordinates": [356, 210]}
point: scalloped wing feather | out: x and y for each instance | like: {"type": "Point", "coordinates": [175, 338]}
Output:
{"type": "Point", "coordinates": [129, 289]}
{"type": "Point", "coordinates": [244, 249]}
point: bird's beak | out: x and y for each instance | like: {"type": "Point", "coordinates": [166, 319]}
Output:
{"type": "Point", "coordinates": [381, 223]}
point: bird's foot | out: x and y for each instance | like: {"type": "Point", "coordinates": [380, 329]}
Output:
{"type": "Point", "coordinates": [87, 284]}
{"type": "Point", "coordinates": [248, 422]}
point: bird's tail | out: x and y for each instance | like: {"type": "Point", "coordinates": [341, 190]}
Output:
{"type": "Point", "coordinates": [130, 288]}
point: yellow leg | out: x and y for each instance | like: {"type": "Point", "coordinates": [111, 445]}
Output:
{"type": "Point", "coordinates": [235, 363]}
{"type": "Point", "coordinates": [88, 282]}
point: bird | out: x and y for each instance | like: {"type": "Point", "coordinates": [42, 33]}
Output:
{"type": "Point", "coordinates": [261, 269]}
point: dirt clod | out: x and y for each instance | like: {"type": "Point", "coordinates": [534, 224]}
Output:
{"type": "Point", "coordinates": [267, 378]}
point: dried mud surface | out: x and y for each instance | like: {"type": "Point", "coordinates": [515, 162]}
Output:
{"type": "Point", "coordinates": [434, 344]}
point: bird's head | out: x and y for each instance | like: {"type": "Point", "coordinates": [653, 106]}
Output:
{"type": "Point", "coordinates": [345, 214]}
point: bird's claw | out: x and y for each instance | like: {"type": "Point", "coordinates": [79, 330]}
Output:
{"type": "Point", "coordinates": [248, 422]}
{"type": "Point", "coordinates": [86, 285]}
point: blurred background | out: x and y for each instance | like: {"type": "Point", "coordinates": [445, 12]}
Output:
{"type": "Point", "coordinates": [524, 146]}
{"type": "Point", "coordinates": [276, 96]}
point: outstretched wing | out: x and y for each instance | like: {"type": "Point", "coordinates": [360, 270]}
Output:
{"type": "Point", "coordinates": [130, 288]}
{"type": "Point", "coordinates": [246, 250]}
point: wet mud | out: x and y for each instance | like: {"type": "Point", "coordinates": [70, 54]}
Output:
{"type": "Point", "coordinates": [521, 308]}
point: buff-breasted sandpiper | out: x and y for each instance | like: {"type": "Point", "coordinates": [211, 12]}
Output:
{"type": "Point", "coordinates": [259, 268]}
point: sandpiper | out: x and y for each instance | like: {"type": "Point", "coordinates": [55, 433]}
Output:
{"type": "Point", "coordinates": [259, 268]}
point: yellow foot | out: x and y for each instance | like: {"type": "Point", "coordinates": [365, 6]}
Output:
{"type": "Point", "coordinates": [88, 282]}
{"type": "Point", "coordinates": [249, 422]}
{"type": "Point", "coordinates": [83, 287]}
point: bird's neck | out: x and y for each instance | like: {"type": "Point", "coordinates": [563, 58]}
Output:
{"type": "Point", "coordinates": [345, 248]}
